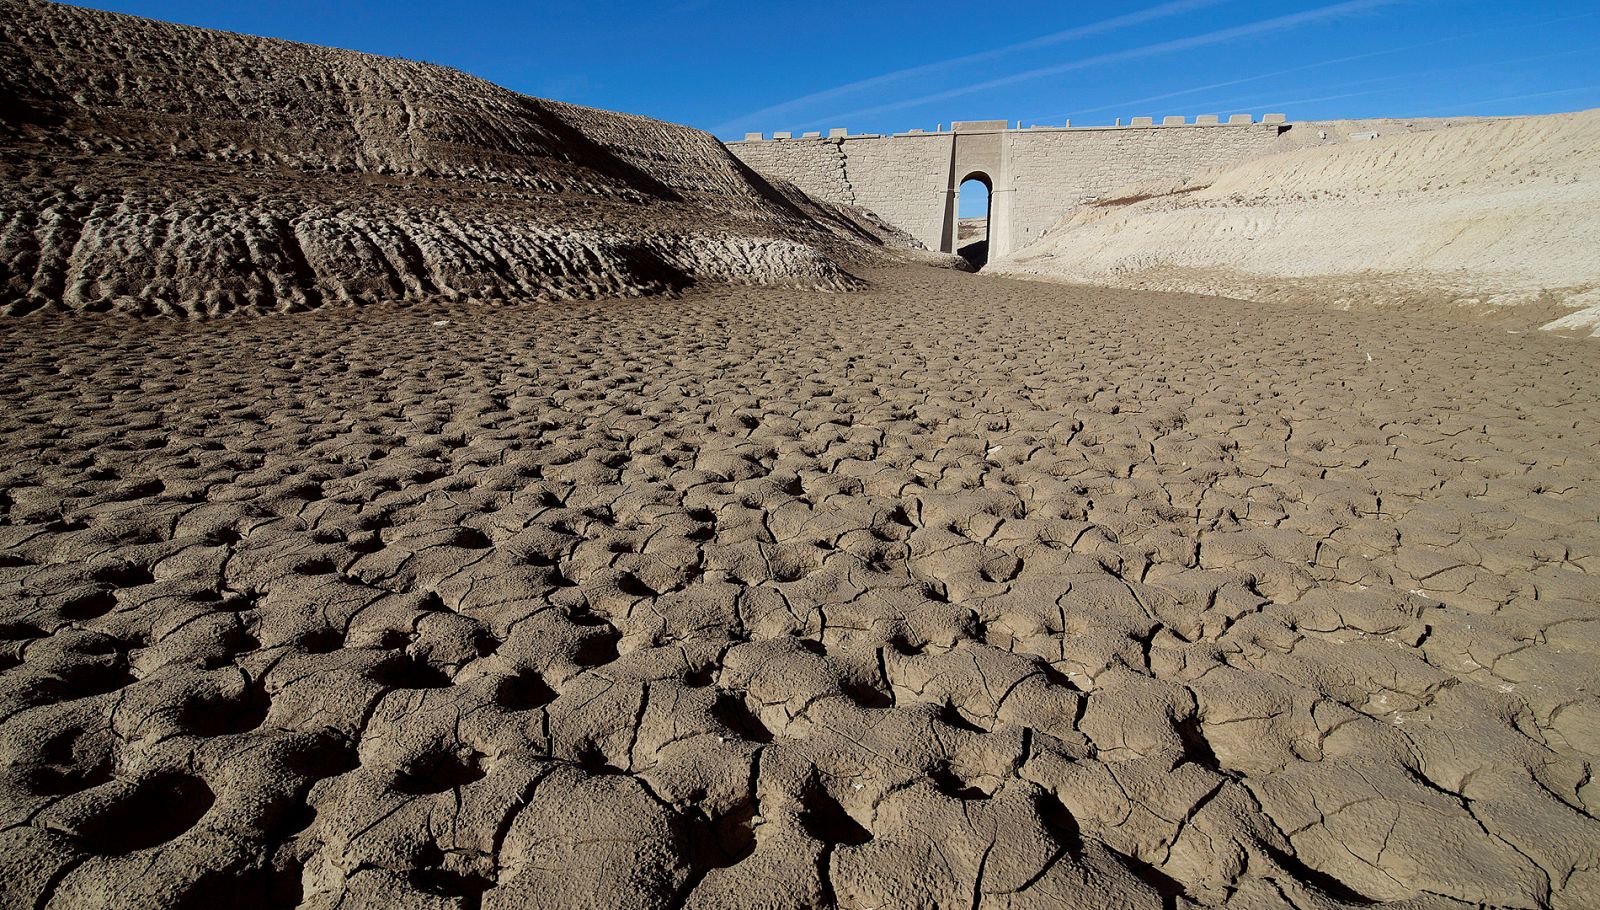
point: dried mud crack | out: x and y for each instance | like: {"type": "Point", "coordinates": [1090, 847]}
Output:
{"type": "Point", "coordinates": [954, 592]}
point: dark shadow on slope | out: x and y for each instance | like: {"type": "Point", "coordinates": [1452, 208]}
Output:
{"type": "Point", "coordinates": [585, 152]}
{"type": "Point", "coordinates": [767, 191]}
{"type": "Point", "coordinates": [1320, 881]}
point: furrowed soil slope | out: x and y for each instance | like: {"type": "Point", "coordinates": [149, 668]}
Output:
{"type": "Point", "coordinates": [156, 168]}
{"type": "Point", "coordinates": [1489, 214]}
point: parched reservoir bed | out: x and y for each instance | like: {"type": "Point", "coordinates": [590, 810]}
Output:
{"type": "Point", "coordinates": [957, 590]}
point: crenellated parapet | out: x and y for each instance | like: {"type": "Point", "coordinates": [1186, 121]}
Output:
{"type": "Point", "coordinates": [973, 126]}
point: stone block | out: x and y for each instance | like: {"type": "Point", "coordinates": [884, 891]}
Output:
{"type": "Point", "coordinates": [783, 135]}
{"type": "Point", "coordinates": [1206, 120]}
{"type": "Point", "coordinates": [1240, 118]}
{"type": "Point", "coordinates": [838, 132]}
{"type": "Point", "coordinates": [1173, 120]}
{"type": "Point", "coordinates": [814, 134]}
{"type": "Point", "coordinates": [1274, 118]}
{"type": "Point", "coordinates": [754, 137]}
{"type": "Point", "coordinates": [1142, 121]}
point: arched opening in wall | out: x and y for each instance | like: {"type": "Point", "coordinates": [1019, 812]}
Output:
{"type": "Point", "coordinates": [973, 206]}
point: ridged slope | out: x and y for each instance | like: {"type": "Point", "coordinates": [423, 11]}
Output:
{"type": "Point", "coordinates": [153, 167]}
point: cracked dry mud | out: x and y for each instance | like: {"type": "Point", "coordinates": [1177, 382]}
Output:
{"type": "Point", "coordinates": [954, 592]}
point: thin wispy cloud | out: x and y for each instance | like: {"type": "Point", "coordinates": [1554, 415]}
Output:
{"type": "Point", "coordinates": [1166, 96]}
{"type": "Point", "coordinates": [1528, 97]}
{"type": "Point", "coordinates": [1104, 26]}
{"type": "Point", "coordinates": [1219, 36]}
{"type": "Point", "coordinates": [1245, 108]}
{"type": "Point", "coordinates": [1201, 89]}
{"type": "Point", "coordinates": [1351, 58]}
{"type": "Point", "coordinates": [1407, 80]}
{"type": "Point", "coordinates": [1463, 108]}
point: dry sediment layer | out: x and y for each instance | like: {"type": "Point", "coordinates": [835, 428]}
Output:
{"type": "Point", "coordinates": [1498, 216]}
{"type": "Point", "coordinates": [955, 592]}
{"type": "Point", "coordinates": [156, 168]}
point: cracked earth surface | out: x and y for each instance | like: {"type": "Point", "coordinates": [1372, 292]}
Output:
{"type": "Point", "coordinates": [955, 592]}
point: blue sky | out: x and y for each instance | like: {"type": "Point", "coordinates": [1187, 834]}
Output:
{"type": "Point", "coordinates": [732, 66]}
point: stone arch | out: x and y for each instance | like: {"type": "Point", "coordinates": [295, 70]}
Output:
{"type": "Point", "coordinates": [980, 148]}
{"type": "Point", "coordinates": [975, 251]}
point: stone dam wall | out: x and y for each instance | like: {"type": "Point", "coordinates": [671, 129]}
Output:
{"type": "Point", "coordinates": [1035, 175]}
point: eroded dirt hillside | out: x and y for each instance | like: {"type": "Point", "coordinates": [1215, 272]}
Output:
{"type": "Point", "coordinates": [1499, 216]}
{"type": "Point", "coordinates": [152, 167]}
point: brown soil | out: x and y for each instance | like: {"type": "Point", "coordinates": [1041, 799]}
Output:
{"type": "Point", "coordinates": [955, 591]}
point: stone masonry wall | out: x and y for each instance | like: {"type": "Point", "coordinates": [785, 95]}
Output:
{"type": "Point", "coordinates": [906, 178]}
{"type": "Point", "coordinates": [814, 165]}
{"type": "Point", "coordinates": [1052, 172]}
{"type": "Point", "coordinates": [903, 179]}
